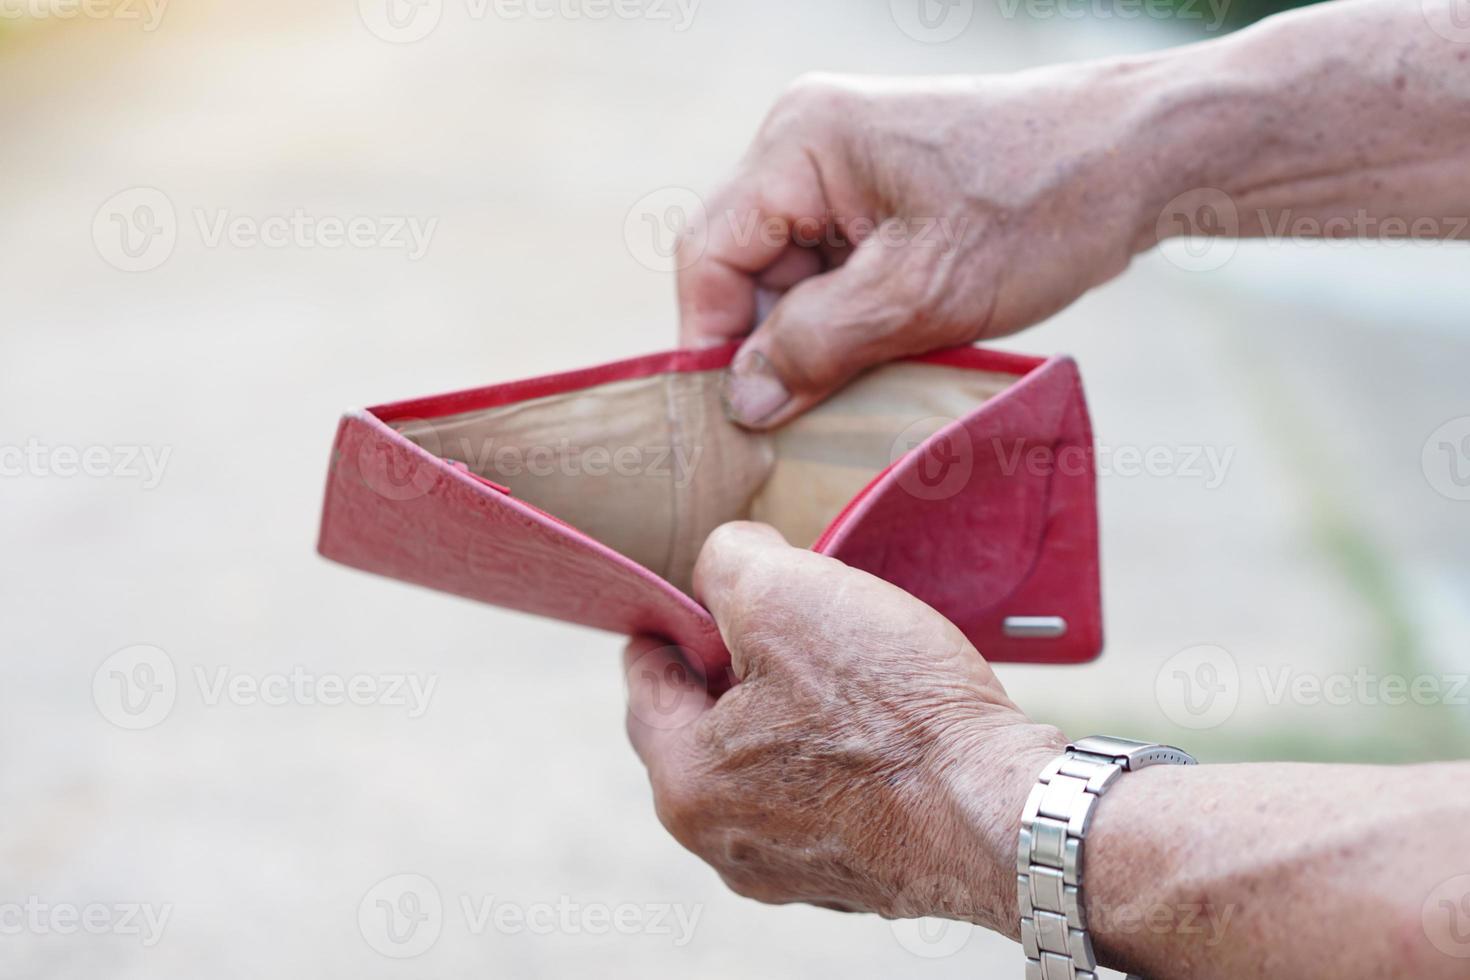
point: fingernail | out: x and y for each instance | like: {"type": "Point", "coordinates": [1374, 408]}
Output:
{"type": "Point", "coordinates": [752, 392]}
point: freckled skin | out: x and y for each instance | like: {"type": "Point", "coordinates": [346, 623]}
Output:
{"type": "Point", "coordinates": [870, 760]}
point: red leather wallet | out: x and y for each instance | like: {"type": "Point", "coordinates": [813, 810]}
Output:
{"type": "Point", "coordinates": [964, 477]}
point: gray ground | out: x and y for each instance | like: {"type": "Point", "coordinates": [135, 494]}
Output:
{"type": "Point", "coordinates": [264, 829]}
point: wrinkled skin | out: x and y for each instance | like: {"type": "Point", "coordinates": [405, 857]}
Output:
{"type": "Point", "coordinates": [868, 760]}
{"type": "Point", "coordinates": [955, 209]}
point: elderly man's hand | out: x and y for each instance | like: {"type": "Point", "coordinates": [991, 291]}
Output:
{"type": "Point", "coordinates": [868, 760]}
{"type": "Point", "coordinates": [884, 217]}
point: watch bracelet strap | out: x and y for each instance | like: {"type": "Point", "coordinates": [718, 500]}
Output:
{"type": "Point", "coordinates": [1054, 824]}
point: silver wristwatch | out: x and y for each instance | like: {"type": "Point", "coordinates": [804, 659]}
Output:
{"type": "Point", "coordinates": [1054, 826]}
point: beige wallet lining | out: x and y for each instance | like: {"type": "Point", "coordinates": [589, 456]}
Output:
{"type": "Point", "coordinates": [650, 466]}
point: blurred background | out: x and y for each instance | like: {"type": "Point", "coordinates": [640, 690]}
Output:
{"type": "Point", "coordinates": [170, 378]}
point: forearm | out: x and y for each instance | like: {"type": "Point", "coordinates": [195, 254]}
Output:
{"type": "Point", "coordinates": [1350, 119]}
{"type": "Point", "coordinates": [1276, 870]}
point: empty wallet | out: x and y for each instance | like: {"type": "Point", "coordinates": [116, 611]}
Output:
{"type": "Point", "coordinates": [965, 477]}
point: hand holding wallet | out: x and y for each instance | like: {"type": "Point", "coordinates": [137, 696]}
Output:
{"type": "Point", "coordinates": [964, 477]}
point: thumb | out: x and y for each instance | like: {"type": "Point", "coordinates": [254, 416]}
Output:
{"type": "Point", "coordinates": [831, 327]}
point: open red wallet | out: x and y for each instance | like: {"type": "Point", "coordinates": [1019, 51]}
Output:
{"type": "Point", "coordinates": [965, 477]}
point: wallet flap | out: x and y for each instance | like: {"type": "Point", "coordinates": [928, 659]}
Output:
{"type": "Point", "coordinates": [992, 520]}
{"type": "Point", "coordinates": [394, 509]}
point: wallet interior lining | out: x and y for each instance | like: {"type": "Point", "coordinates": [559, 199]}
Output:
{"type": "Point", "coordinates": [650, 466]}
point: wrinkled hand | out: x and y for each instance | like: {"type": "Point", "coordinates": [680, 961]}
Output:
{"type": "Point", "coordinates": [877, 218]}
{"type": "Point", "coordinates": [868, 760]}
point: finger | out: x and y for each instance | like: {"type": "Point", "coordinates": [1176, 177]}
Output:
{"type": "Point", "coordinates": [774, 604]}
{"type": "Point", "coordinates": [829, 328]}
{"type": "Point", "coordinates": [794, 265]}
{"type": "Point", "coordinates": [665, 698]}
{"type": "Point", "coordinates": [743, 232]}
{"type": "Point", "coordinates": [737, 564]}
